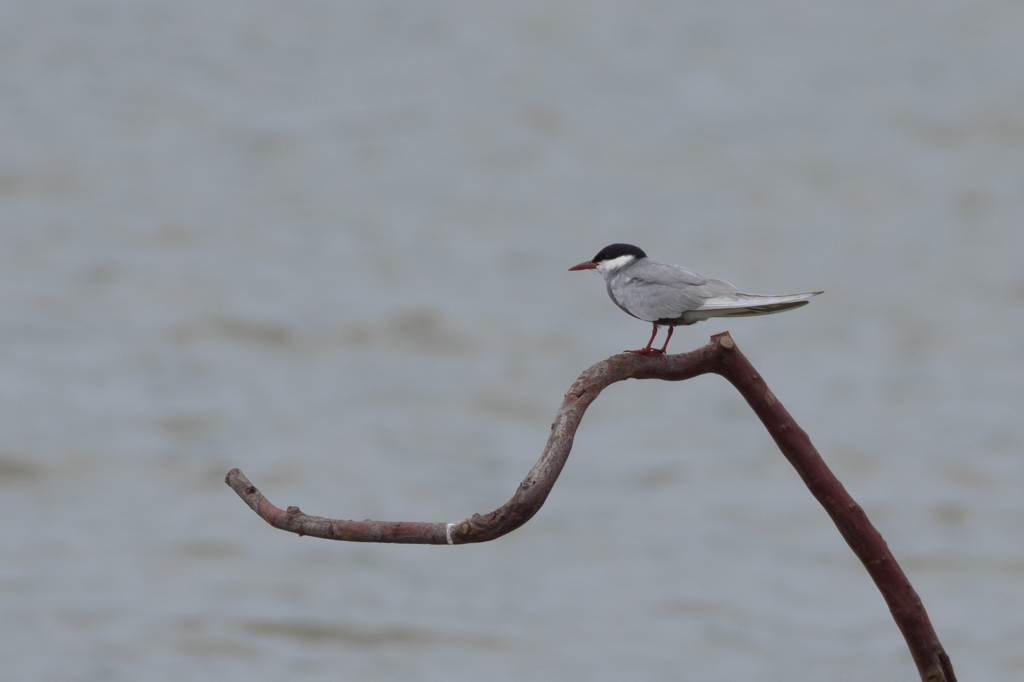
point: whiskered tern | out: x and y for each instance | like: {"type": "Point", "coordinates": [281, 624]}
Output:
{"type": "Point", "coordinates": [671, 295]}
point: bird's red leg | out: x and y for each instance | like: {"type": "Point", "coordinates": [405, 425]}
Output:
{"type": "Point", "coordinates": [668, 338]}
{"type": "Point", "coordinates": [646, 350]}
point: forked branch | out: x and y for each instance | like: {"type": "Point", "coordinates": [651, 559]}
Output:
{"type": "Point", "coordinates": [721, 356]}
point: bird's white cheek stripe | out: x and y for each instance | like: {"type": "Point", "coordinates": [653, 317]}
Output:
{"type": "Point", "coordinates": [448, 533]}
{"type": "Point", "coordinates": [615, 263]}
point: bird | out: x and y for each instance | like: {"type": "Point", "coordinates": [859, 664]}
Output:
{"type": "Point", "coordinates": [671, 295]}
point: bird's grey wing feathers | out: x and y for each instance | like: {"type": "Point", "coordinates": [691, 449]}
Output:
{"type": "Point", "coordinates": [655, 291]}
{"type": "Point", "coordinates": [746, 305]}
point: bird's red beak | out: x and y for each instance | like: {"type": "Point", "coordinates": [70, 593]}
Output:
{"type": "Point", "coordinates": [584, 266]}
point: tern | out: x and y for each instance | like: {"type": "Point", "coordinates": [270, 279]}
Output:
{"type": "Point", "coordinates": [671, 295]}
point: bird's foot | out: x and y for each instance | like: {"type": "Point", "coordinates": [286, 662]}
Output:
{"type": "Point", "coordinates": [647, 351]}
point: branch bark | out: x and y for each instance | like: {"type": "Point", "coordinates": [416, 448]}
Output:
{"type": "Point", "coordinates": [721, 356]}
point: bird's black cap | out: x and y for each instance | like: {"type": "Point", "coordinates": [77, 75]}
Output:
{"type": "Point", "coordinates": [615, 250]}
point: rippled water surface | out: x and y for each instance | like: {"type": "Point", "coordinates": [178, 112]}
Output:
{"type": "Point", "coordinates": [327, 243]}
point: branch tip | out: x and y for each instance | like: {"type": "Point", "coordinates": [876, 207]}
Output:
{"type": "Point", "coordinates": [724, 340]}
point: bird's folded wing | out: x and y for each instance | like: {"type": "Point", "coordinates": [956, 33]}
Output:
{"type": "Point", "coordinates": [668, 292]}
{"type": "Point", "coordinates": [753, 301]}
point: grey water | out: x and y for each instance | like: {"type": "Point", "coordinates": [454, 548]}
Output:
{"type": "Point", "coordinates": [328, 243]}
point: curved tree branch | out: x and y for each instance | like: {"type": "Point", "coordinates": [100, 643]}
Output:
{"type": "Point", "coordinates": [721, 356]}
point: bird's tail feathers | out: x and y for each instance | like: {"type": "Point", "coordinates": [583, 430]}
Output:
{"type": "Point", "coordinates": [747, 305]}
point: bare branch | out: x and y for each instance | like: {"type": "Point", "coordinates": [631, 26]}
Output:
{"type": "Point", "coordinates": [532, 491]}
{"type": "Point", "coordinates": [721, 356]}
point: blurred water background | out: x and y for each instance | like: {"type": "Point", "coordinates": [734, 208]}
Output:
{"type": "Point", "coordinates": [327, 243]}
